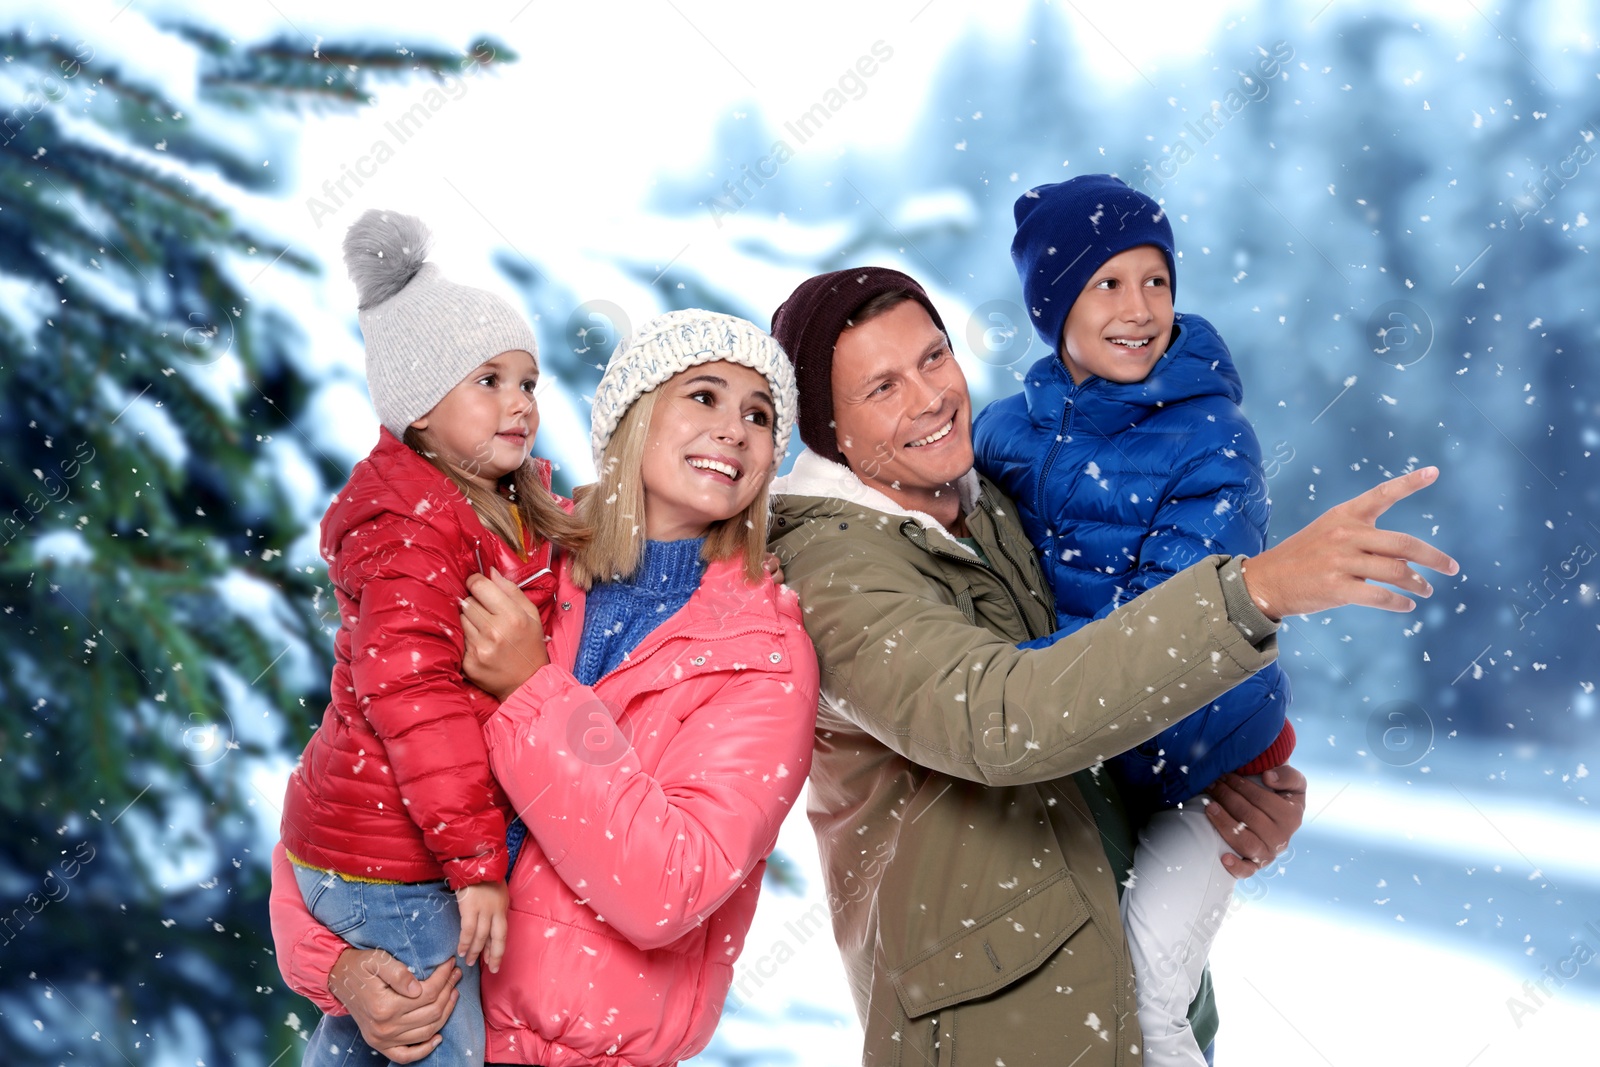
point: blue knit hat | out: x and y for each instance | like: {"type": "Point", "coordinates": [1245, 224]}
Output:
{"type": "Point", "coordinates": [1066, 231]}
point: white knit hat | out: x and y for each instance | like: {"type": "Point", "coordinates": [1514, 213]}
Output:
{"type": "Point", "coordinates": [671, 343]}
{"type": "Point", "coordinates": [424, 333]}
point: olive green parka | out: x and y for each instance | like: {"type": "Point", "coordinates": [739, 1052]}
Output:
{"type": "Point", "coordinates": [956, 793]}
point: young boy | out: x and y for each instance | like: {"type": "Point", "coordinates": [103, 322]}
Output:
{"type": "Point", "coordinates": [1128, 459]}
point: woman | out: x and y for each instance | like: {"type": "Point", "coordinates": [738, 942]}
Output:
{"type": "Point", "coordinates": [652, 749]}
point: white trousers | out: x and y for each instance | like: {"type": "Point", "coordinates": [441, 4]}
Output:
{"type": "Point", "coordinates": [1172, 912]}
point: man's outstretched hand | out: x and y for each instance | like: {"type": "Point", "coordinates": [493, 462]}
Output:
{"type": "Point", "coordinates": [1337, 558]}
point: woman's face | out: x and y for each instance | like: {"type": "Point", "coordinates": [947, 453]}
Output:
{"type": "Point", "coordinates": [708, 452]}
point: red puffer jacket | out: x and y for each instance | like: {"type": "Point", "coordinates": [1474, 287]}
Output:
{"type": "Point", "coordinates": [396, 785]}
{"type": "Point", "coordinates": [652, 800]}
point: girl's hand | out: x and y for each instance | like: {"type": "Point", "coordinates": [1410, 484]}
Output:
{"type": "Point", "coordinates": [1334, 560]}
{"type": "Point", "coordinates": [483, 923]}
{"type": "Point", "coordinates": [397, 1015]}
{"type": "Point", "coordinates": [1257, 822]}
{"type": "Point", "coordinates": [505, 640]}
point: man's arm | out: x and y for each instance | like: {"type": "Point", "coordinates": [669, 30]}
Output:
{"type": "Point", "coordinates": [954, 697]}
{"type": "Point", "coordinates": [971, 705]}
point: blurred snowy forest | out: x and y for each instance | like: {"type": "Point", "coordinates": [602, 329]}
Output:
{"type": "Point", "coordinates": [1385, 209]}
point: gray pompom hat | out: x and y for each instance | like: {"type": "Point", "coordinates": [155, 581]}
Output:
{"type": "Point", "coordinates": [424, 333]}
{"type": "Point", "coordinates": [671, 343]}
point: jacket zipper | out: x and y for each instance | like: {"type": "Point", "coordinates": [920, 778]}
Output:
{"type": "Point", "coordinates": [1050, 458]}
{"type": "Point", "coordinates": [1119, 1000]}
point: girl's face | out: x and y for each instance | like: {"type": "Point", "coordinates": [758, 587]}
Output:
{"type": "Point", "coordinates": [708, 452]}
{"type": "Point", "coordinates": [485, 425]}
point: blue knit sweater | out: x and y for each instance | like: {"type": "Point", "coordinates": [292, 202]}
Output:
{"type": "Point", "coordinates": [619, 615]}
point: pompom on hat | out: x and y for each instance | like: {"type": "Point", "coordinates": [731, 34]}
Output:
{"type": "Point", "coordinates": [1065, 233]}
{"type": "Point", "coordinates": [424, 333]}
{"type": "Point", "coordinates": [672, 343]}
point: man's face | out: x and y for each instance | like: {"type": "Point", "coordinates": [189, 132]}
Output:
{"type": "Point", "coordinates": [901, 412]}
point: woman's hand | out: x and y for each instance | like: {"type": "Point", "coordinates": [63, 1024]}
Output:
{"type": "Point", "coordinates": [1335, 559]}
{"type": "Point", "coordinates": [773, 566]}
{"type": "Point", "coordinates": [505, 640]}
{"type": "Point", "coordinates": [1257, 822]}
{"type": "Point", "coordinates": [398, 1015]}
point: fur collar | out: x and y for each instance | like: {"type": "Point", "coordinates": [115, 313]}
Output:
{"type": "Point", "coordinates": [814, 476]}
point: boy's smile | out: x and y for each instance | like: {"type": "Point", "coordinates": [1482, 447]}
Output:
{"type": "Point", "coordinates": [1122, 321]}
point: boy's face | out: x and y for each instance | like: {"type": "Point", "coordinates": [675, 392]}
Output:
{"type": "Point", "coordinates": [1122, 321]}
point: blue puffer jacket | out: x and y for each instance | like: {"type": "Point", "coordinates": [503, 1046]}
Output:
{"type": "Point", "coordinates": [1122, 486]}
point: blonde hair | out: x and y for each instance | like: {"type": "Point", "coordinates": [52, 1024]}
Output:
{"type": "Point", "coordinates": [541, 515]}
{"type": "Point", "coordinates": [613, 510]}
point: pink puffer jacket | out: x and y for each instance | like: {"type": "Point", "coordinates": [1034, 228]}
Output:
{"type": "Point", "coordinates": [652, 800]}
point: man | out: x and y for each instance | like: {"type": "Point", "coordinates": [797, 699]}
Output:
{"type": "Point", "coordinates": [970, 844]}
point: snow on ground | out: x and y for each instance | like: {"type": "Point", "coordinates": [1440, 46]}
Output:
{"type": "Point", "coordinates": [1303, 987]}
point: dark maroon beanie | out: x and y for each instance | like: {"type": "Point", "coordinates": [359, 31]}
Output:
{"type": "Point", "coordinates": [808, 325]}
{"type": "Point", "coordinates": [1065, 233]}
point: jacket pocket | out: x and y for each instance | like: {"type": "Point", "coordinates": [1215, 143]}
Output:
{"type": "Point", "coordinates": [994, 950]}
{"type": "Point", "coordinates": [1066, 1011]}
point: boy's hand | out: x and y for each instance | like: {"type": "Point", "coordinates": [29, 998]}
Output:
{"type": "Point", "coordinates": [483, 923]}
{"type": "Point", "coordinates": [1336, 558]}
{"type": "Point", "coordinates": [505, 640]}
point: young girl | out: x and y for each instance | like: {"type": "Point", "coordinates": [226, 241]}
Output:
{"type": "Point", "coordinates": [392, 807]}
{"type": "Point", "coordinates": [653, 751]}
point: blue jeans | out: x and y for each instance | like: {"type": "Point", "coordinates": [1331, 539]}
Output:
{"type": "Point", "coordinates": [419, 925]}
